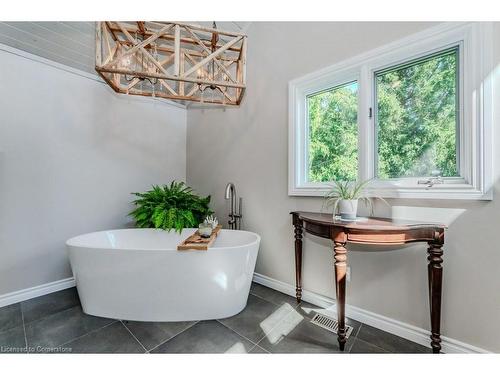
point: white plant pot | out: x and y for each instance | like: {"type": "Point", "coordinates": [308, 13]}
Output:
{"type": "Point", "coordinates": [348, 209]}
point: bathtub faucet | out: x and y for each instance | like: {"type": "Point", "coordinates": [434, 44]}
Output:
{"type": "Point", "coordinates": [234, 218]}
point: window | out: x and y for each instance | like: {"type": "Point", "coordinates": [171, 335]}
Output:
{"type": "Point", "coordinates": [333, 134]}
{"type": "Point", "coordinates": [413, 116]}
{"type": "Point", "coordinates": [417, 118]}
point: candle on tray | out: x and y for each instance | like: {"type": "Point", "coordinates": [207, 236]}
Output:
{"type": "Point", "coordinates": [205, 230]}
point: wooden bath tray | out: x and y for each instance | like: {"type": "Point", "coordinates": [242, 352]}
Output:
{"type": "Point", "coordinates": [197, 242]}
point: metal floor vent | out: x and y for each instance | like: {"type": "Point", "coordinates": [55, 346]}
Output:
{"type": "Point", "coordinates": [330, 324]}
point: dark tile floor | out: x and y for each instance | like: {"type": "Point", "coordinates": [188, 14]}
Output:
{"type": "Point", "coordinates": [272, 322]}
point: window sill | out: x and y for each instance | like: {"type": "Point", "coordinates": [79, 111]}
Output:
{"type": "Point", "coordinates": [459, 192]}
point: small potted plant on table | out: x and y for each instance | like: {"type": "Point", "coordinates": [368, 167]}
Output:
{"type": "Point", "coordinates": [345, 195]}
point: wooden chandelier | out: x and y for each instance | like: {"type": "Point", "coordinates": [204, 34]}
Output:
{"type": "Point", "coordinates": [172, 60]}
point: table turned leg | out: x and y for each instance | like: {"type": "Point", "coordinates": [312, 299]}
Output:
{"type": "Point", "coordinates": [298, 260]}
{"type": "Point", "coordinates": [435, 274]}
{"type": "Point", "coordinates": [340, 280]}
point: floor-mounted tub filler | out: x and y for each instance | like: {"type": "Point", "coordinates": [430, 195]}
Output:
{"type": "Point", "coordinates": [137, 274]}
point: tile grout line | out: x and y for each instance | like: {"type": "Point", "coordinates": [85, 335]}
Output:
{"type": "Point", "coordinates": [354, 337]}
{"type": "Point", "coordinates": [369, 343]}
{"type": "Point", "coordinates": [246, 338]}
{"type": "Point", "coordinates": [261, 348]}
{"type": "Point", "coordinates": [136, 339]}
{"type": "Point", "coordinates": [239, 334]}
{"type": "Point", "coordinates": [372, 344]}
{"type": "Point", "coordinates": [262, 298]}
{"type": "Point", "coordinates": [294, 309]}
{"type": "Point", "coordinates": [24, 329]}
{"type": "Point", "coordinates": [55, 313]}
{"type": "Point", "coordinates": [252, 348]}
{"type": "Point", "coordinates": [274, 303]}
{"type": "Point", "coordinates": [257, 343]}
{"type": "Point", "coordinates": [359, 329]}
{"type": "Point", "coordinates": [88, 333]}
{"type": "Point", "coordinates": [177, 334]}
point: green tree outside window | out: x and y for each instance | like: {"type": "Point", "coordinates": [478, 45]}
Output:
{"type": "Point", "coordinates": [416, 123]}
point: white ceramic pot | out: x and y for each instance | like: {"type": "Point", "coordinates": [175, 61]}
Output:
{"type": "Point", "coordinates": [348, 209]}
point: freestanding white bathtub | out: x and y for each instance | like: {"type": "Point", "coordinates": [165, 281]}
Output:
{"type": "Point", "coordinates": [137, 274]}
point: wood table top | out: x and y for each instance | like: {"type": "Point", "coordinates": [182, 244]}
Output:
{"type": "Point", "coordinates": [366, 223]}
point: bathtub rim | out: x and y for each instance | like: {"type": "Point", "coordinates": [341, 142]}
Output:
{"type": "Point", "coordinates": [68, 244]}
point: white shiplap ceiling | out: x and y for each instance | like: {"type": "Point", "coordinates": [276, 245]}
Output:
{"type": "Point", "coordinates": [70, 43]}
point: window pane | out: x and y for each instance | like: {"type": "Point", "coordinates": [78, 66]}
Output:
{"type": "Point", "coordinates": [417, 121]}
{"type": "Point", "coordinates": [333, 134]}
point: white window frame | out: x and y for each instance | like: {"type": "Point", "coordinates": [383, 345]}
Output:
{"type": "Point", "coordinates": [476, 122]}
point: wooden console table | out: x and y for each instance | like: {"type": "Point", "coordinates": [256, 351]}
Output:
{"type": "Point", "coordinates": [374, 231]}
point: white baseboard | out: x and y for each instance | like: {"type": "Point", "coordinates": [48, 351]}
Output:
{"type": "Point", "coordinates": [36, 291]}
{"type": "Point", "coordinates": [407, 331]}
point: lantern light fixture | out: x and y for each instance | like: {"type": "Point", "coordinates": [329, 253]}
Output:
{"type": "Point", "coordinates": [172, 60]}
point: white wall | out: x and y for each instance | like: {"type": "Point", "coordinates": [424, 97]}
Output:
{"type": "Point", "coordinates": [71, 151]}
{"type": "Point", "coordinates": [248, 146]}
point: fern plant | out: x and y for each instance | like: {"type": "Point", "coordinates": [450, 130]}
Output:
{"type": "Point", "coordinates": [168, 207]}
